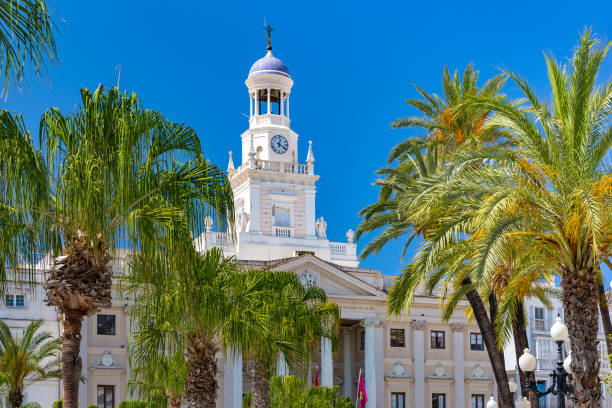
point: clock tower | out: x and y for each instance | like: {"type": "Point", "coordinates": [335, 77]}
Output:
{"type": "Point", "coordinates": [274, 193]}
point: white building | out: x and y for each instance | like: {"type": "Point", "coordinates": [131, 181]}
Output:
{"type": "Point", "coordinates": [409, 361]}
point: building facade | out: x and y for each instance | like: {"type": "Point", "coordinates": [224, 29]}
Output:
{"type": "Point", "coordinates": [412, 360]}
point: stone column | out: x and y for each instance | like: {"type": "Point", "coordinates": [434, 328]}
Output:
{"type": "Point", "coordinates": [269, 107]}
{"type": "Point", "coordinates": [232, 379]}
{"type": "Point", "coordinates": [327, 362]}
{"type": "Point", "coordinates": [418, 350]}
{"type": "Point", "coordinates": [287, 106]}
{"type": "Point", "coordinates": [250, 106]}
{"type": "Point", "coordinates": [370, 359]}
{"type": "Point", "coordinates": [282, 103]}
{"type": "Point", "coordinates": [257, 102]}
{"type": "Point", "coordinates": [458, 360]}
{"type": "Point", "coordinates": [348, 367]}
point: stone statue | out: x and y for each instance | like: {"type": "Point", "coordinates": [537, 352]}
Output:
{"type": "Point", "coordinates": [243, 220]}
{"type": "Point", "coordinates": [321, 227]}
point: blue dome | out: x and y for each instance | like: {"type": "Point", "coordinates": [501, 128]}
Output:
{"type": "Point", "coordinates": [269, 65]}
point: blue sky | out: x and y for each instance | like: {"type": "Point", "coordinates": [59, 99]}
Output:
{"type": "Point", "coordinates": [353, 63]}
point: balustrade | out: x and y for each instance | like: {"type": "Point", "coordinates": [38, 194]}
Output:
{"type": "Point", "coordinates": [269, 120]}
{"type": "Point", "coordinates": [285, 232]}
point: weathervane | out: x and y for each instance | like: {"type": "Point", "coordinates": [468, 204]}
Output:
{"type": "Point", "coordinates": [268, 29]}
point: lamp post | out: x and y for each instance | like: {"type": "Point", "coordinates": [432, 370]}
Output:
{"type": "Point", "coordinates": [560, 375]}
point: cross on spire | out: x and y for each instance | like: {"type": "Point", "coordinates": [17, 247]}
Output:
{"type": "Point", "coordinates": [268, 30]}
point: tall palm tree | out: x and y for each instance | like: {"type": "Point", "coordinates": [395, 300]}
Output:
{"type": "Point", "coordinates": [26, 39]}
{"type": "Point", "coordinates": [112, 175]}
{"type": "Point", "coordinates": [554, 187]}
{"type": "Point", "coordinates": [26, 359]}
{"type": "Point", "coordinates": [296, 317]}
{"type": "Point", "coordinates": [205, 302]}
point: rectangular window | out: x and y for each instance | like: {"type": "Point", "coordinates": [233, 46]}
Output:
{"type": "Point", "coordinates": [106, 396]}
{"type": "Point", "coordinates": [106, 325]}
{"type": "Point", "coordinates": [14, 300]}
{"type": "Point", "coordinates": [397, 337]}
{"type": "Point", "coordinates": [362, 342]}
{"type": "Point", "coordinates": [398, 400]}
{"type": "Point", "coordinates": [539, 318]}
{"type": "Point", "coordinates": [282, 217]}
{"type": "Point", "coordinates": [476, 341]}
{"type": "Point", "coordinates": [478, 401]}
{"type": "Point", "coordinates": [437, 339]}
{"type": "Point", "coordinates": [438, 401]}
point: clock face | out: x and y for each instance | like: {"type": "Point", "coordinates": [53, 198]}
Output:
{"type": "Point", "coordinates": [279, 144]}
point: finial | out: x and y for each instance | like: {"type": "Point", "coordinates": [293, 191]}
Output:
{"type": "Point", "coordinates": [310, 157]}
{"type": "Point", "coordinates": [252, 148]}
{"type": "Point", "coordinates": [230, 164]}
{"type": "Point", "coordinates": [350, 236]}
{"type": "Point", "coordinates": [268, 29]}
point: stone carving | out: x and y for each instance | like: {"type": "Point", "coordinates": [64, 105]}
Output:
{"type": "Point", "coordinates": [371, 322]}
{"type": "Point", "coordinates": [458, 326]}
{"type": "Point", "coordinates": [398, 369]}
{"type": "Point", "coordinates": [419, 324]}
{"type": "Point", "coordinates": [243, 220]}
{"type": "Point", "coordinates": [439, 372]}
{"type": "Point", "coordinates": [478, 372]}
{"type": "Point", "coordinates": [106, 360]}
{"type": "Point", "coordinates": [350, 236]}
{"type": "Point", "coordinates": [321, 227]}
{"type": "Point", "coordinates": [307, 279]}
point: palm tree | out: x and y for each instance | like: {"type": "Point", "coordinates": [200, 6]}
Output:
{"type": "Point", "coordinates": [204, 301]}
{"type": "Point", "coordinates": [296, 318]}
{"type": "Point", "coordinates": [26, 38]}
{"type": "Point", "coordinates": [198, 304]}
{"type": "Point", "coordinates": [27, 359]}
{"type": "Point", "coordinates": [112, 175]}
{"type": "Point", "coordinates": [554, 188]}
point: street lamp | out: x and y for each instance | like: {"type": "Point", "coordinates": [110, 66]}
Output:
{"type": "Point", "coordinates": [559, 386]}
{"type": "Point", "coordinates": [492, 403]}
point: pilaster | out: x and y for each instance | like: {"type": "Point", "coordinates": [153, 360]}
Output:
{"type": "Point", "coordinates": [458, 359]}
{"type": "Point", "coordinates": [418, 345]}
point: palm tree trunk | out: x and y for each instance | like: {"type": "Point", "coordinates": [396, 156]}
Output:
{"type": "Point", "coordinates": [605, 314]}
{"type": "Point", "coordinates": [261, 384]}
{"type": "Point", "coordinates": [72, 365]}
{"type": "Point", "coordinates": [201, 380]}
{"type": "Point", "coordinates": [174, 401]}
{"type": "Point", "coordinates": [581, 302]}
{"type": "Point", "coordinates": [15, 398]}
{"type": "Point", "coordinates": [488, 334]}
{"type": "Point", "coordinates": [520, 344]}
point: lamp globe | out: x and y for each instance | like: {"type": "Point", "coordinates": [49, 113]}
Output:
{"type": "Point", "coordinates": [512, 385]}
{"type": "Point", "coordinates": [492, 403]}
{"type": "Point", "coordinates": [527, 361]}
{"type": "Point", "coordinates": [558, 331]}
{"type": "Point", "coordinates": [522, 403]}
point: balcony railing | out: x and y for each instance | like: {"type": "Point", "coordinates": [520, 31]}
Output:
{"type": "Point", "coordinates": [285, 232]}
{"type": "Point", "coordinates": [269, 120]}
{"type": "Point", "coordinates": [276, 166]}
{"type": "Point", "coordinates": [338, 248]}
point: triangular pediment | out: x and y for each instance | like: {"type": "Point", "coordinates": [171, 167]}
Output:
{"type": "Point", "coordinates": [329, 277]}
